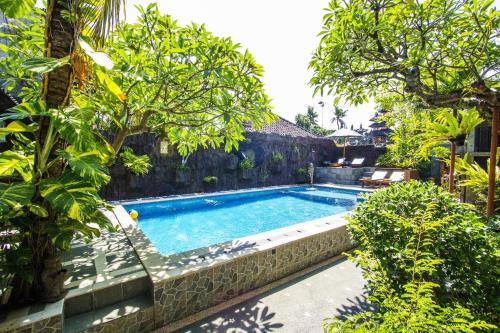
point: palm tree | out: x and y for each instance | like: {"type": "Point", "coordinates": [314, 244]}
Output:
{"type": "Point", "coordinates": [448, 127]}
{"type": "Point", "coordinates": [65, 22]}
{"type": "Point", "coordinates": [338, 114]}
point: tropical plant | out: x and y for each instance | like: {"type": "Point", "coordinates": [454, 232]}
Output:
{"type": "Point", "coordinates": [461, 243]}
{"type": "Point", "coordinates": [449, 127]}
{"type": "Point", "coordinates": [309, 122]}
{"type": "Point", "coordinates": [57, 164]}
{"type": "Point", "coordinates": [276, 157]}
{"type": "Point", "coordinates": [137, 164]}
{"type": "Point", "coordinates": [49, 191]}
{"type": "Point", "coordinates": [180, 82]}
{"type": "Point", "coordinates": [413, 308]}
{"type": "Point", "coordinates": [338, 115]}
{"type": "Point", "coordinates": [246, 164]}
{"type": "Point", "coordinates": [473, 176]}
{"type": "Point", "coordinates": [444, 52]}
{"type": "Point", "coordinates": [192, 87]}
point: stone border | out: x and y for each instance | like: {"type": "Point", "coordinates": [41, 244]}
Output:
{"type": "Point", "coordinates": [35, 318]}
{"type": "Point", "coordinates": [190, 282]}
{"type": "Point", "coordinates": [248, 295]}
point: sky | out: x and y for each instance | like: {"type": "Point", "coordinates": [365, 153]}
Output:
{"type": "Point", "coordinates": [281, 35]}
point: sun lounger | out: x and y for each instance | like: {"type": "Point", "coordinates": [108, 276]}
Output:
{"type": "Point", "coordinates": [396, 176]}
{"type": "Point", "coordinates": [374, 179]}
{"type": "Point", "coordinates": [357, 162]}
{"type": "Point", "coordinates": [339, 163]}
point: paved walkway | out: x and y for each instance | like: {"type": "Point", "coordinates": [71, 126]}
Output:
{"type": "Point", "coordinates": [296, 307]}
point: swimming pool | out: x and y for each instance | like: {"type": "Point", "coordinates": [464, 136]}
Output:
{"type": "Point", "coordinates": [179, 225]}
{"type": "Point", "coordinates": [203, 250]}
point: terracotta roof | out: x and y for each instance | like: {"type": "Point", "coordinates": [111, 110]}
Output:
{"type": "Point", "coordinates": [281, 127]}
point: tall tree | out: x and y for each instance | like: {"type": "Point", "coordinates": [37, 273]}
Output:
{"type": "Point", "coordinates": [444, 52]}
{"type": "Point", "coordinates": [180, 82]}
{"type": "Point", "coordinates": [194, 88]}
{"type": "Point", "coordinates": [338, 115]}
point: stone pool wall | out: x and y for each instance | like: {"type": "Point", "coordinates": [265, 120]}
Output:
{"type": "Point", "coordinates": [188, 283]}
{"type": "Point", "coordinates": [165, 178]}
{"type": "Point", "coordinates": [178, 298]}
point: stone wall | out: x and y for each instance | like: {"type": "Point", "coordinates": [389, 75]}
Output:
{"type": "Point", "coordinates": [164, 178]}
{"type": "Point", "coordinates": [369, 152]}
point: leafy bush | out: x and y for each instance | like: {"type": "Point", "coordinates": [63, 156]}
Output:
{"type": "Point", "coordinates": [276, 157]}
{"type": "Point", "coordinates": [246, 163]}
{"type": "Point", "coordinates": [137, 164]}
{"type": "Point", "coordinates": [301, 171]}
{"type": "Point", "coordinates": [413, 308]}
{"type": "Point", "coordinates": [210, 179]}
{"type": "Point", "coordinates": [464, 247]}
{"type": "Point", "coordinates": [475, 177]}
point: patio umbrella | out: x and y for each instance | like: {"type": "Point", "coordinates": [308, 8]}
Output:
{"type": "Point", "coordinates": [345, 134]}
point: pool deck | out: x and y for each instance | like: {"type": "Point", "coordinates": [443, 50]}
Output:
{"type": "Point", "coordinates": [300, 305]}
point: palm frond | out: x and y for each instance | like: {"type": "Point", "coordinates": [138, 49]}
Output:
{"type": "Point", "coordinates": [99, 17]}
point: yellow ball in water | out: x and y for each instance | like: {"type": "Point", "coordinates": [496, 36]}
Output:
{"type": "Point", "coordinates": [133, 214]}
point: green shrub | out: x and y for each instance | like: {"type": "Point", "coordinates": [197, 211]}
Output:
{"type": "Point", "coordinates": [301, 171]}
{"type": "Point", "coordinates": [210, 179]}
{"type": "Point", "coordinates": [413, 309]}
{"type": "Point", "coordinates": [276, 157]}
{"type": "Point", "coordinates": [466, 249]}
{"type": "Point", "coordinates": [246, 163]}
{"type": "Point", "coordinates": [137, 164]}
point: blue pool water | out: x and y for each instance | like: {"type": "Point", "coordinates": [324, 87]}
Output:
{"type": "Point", "coordinates": [180, 225]}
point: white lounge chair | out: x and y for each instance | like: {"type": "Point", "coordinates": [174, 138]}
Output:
{"type": "Point", "coordinates": [357, 162]}
{"type": "Point", "coordinates": [375, 179]}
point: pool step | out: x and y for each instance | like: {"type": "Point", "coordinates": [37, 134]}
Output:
{"type": "Point", "coordinates": [102, 294]}
{"type": "Point", "coordinates": [320, 198]}
{"type": "Point", "coordinates": [131, 316]}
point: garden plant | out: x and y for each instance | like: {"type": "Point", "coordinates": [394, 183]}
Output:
{"type": "Point", "coordinates": [78, 89]}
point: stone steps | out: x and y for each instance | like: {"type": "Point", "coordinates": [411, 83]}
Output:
{"type": "Point", "coordinates": [128, 316]}
{"type": "Point", "coordinates": [102, 294]}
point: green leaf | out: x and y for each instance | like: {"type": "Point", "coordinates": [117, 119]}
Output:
{"type": "Point", "coordinates": [70, 195]}
{"type": "Point", "coordinates": [17, 127]}
{"type": "Point", "coordinates": [87, 165]}
{"type": "Point", "coordinates": [16, 8]}
{"type": "Point", "coordinates": [111, 85]}
{"type": "Point", "coordinates": [11, 162]}
{"type": "Point", "coordinates": [24, 110]}
{"type": "Point", "coordinates": [43, 65]}
{"type": "Point", "coordinates": [38, 210]}
{"type": "Point", "coordinates": [15, 196]}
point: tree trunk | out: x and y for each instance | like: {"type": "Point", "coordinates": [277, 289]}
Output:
{"type": "Point", "coordinates": [59, 43]}
{"type": "Point", "coordinates": [56, 89]}
{"type": "Point", "coordinates": [492, 167]}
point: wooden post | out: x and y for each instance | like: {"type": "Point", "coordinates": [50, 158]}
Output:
{"type": "Point", "coordinates": [345, 141]}
{"type": "Point", "coordinates": [453, 148]}
{"type": "Point", "coordinates": [451, 178]}
{"type": "Point", "coordinates": [492, 167]}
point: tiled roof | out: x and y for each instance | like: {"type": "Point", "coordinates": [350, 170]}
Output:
{"type": "Point", "coordinates": [281, 127]}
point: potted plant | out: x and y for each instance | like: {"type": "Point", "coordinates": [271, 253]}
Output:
{"type": "Point", "coordinates": [276, 165]}
{"type": "Point", "coordinates": [210, 182]}
{"type": "Point", "coordinates": [246, 166]}
{"type": "Point", "coordinates": [300, 174]}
